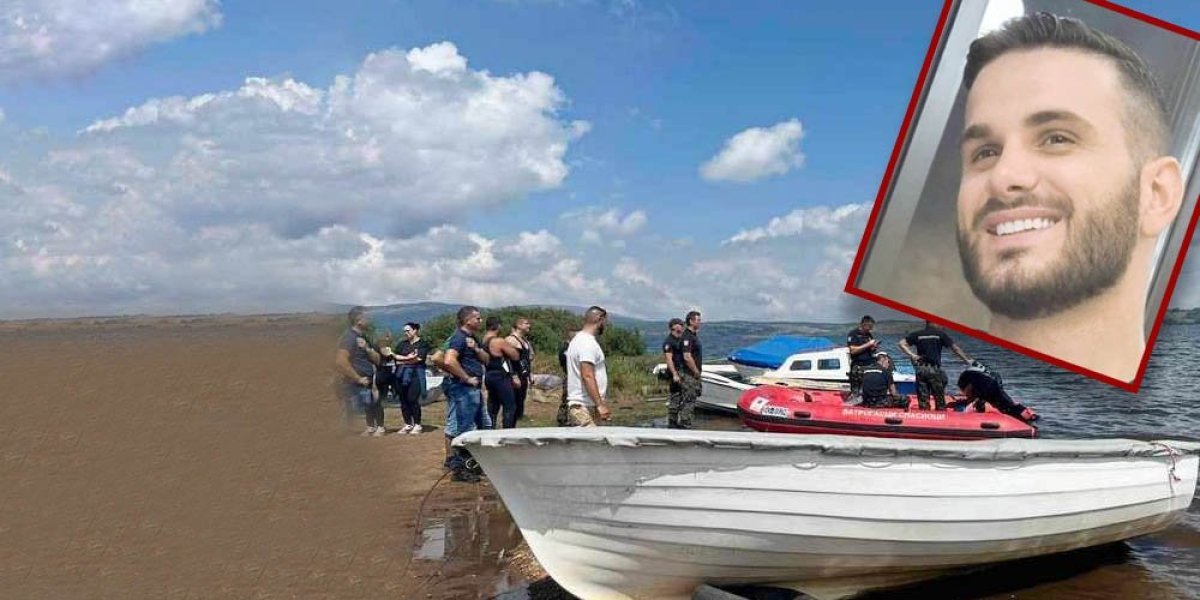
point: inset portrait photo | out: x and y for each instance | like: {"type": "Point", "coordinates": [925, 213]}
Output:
{"type": "Point", "coordinates": [1044, 187]}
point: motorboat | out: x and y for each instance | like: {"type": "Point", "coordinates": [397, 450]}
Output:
{"type": "Point", "coordinates": [722, 385]}
{"type": "Point", "coordinates": [790, 357]}
{"type": "Point", "coordinates": [787, 360]}
{"type": "Point", "coordinates": [781, 409]}
{"type": "Point", "coordinates": [628, 513]}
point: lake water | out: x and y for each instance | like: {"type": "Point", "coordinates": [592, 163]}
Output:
{"type": "Point", "coordinates": [1161, 567]}
{"type": "Point", "coordinates": [1165, 566]}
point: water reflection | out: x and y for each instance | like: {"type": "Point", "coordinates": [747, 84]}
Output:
{"type": "Point", "coordinates": [474, 542]}
{"type": "Point", "coordinates": [1165, 566]}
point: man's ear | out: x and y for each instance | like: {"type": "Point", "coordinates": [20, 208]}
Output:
{"type": "Point", "coordinates": [1161, 189]}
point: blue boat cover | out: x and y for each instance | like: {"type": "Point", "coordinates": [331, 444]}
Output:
{"type": "Point", "coordinates": [771, 352]}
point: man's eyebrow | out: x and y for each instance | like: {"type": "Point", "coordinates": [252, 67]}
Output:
{"type": "Point", "coordinates": [975, 132]}
{"type": "Point", "coordinates": [1043, 117]}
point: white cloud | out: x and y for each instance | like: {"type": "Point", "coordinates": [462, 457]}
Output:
{"type": "Point", "coordinates": [448, 264]}
{"type": "Point", "coordinates": [51, 38]}
{"type": "Point", "coordinates": [819, 220]}
{"type": "Point", "coordinates": [529, 245]}
{"type": "Point", "coordinates": [409, 140]}
{"type": "Point", "coordinates": [598, 226]}
{"type": "Point", "coordinates": [265, 197]}
{"type": "Point", "coordinates": [757, 153]}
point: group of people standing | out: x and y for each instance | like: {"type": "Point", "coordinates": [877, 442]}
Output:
{"type": "Point", "coordinates": [684, 355]}
{"type": "Point", "coordinates": [371, 374]}
{"type": "Point", "coordinates": [872, 383]}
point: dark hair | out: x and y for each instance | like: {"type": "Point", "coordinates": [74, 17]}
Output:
{"type": "Point", "coordinates": [465, 312]}
{"type": "Point", "coordinates": [413, 325]}
{"type": "Point", "coordinates": [355, 313]}
{"type": "Point", "coordinates": [692, 314]}
{"type": "Point", "coordinates": [493, 323]}
{"type": "Point", "coordinates": [673, 322]}
{"type": "Point", "coordinates": [594, 313]}
{"type": "Point", "coordinates": [1146, 113]}
{"type": "Point", "coordinates": [866, 319]}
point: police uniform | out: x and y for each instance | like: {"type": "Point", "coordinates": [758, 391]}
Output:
{"type": "Point", "coordinates": [876, 386]}
{"type": "Point", "coordinates": [931, 379]}
{"type": "Point", "coordinates": [860, 361]}
{"type": "Point", "coordinates": [689, 383]}
{"type": "Point", "coordinates": [673, 346]}
{"type": "Point", "coordinates": [987, 388]}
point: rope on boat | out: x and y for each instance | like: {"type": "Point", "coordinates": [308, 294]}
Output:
{"type": "Point", "coordinates": [1171, 453]}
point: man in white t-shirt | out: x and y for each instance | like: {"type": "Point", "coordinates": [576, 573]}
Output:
{"type": "Point", "coordinates": [587, 376]}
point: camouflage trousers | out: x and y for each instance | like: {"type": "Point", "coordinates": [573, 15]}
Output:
{"type": "Point", "coordinates": [682, 403]}
{"type": "Point", "coordinates": [931, 381]}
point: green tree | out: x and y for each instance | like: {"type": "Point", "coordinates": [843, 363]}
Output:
{"type": "Point", "coordinates": [550, 326]}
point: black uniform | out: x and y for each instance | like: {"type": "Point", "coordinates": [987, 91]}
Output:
{"type": "Point", "coordinates": [876, 386]}
{"type": "Point", "coordinates": [682, 406]}
{"type": "Point", "coordinates": [860, 361]}
{"type": "Point", "coordinates": [931, 379]}
{"type": "Point", "coordinates": [673, 346]}
{"type": "Point", "coordinates": [987, 388]}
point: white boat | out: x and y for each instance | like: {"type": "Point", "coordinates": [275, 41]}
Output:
{"type": "Point", "coordinates": [622, 513]}
{"type": "Point", "coordinates": [722, 387]}
{"type": "Point", "coordinates": [808, 359]}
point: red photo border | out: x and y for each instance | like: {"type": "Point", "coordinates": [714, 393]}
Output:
{"type": "Point", "coordinates": [872, 221]}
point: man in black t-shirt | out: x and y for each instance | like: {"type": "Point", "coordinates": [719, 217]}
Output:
{"type": "Point", "coordinates": [355, 362]}
{"type": "Point", "coordinates": [924, 347]}
{"type": "Point", "coordinates": [673, 354]}
{"type": "Point", "coordinates": [862, 352]}
{"type": "Point", "coordinates": [982, 386]}
{"type": "Point", "coordinates": [689, 377]}
{"type": "Point", "coordinates": [878, 387]}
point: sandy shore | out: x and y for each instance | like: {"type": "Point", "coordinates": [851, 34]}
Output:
{"type": "Point", "coordinates": [203, 458]}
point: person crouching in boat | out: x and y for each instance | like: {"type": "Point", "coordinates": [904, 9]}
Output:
{"type": "Point", "coordinates": [981, 386]}
{"type": "Point", "coordinates": [878, 387]}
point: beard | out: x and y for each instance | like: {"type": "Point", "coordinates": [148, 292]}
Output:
{"type": "Point", "coordinates": [1097, 249]}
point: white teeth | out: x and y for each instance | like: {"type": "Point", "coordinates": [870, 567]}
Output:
{"type": "Point", "coordinates": [1020, 225]}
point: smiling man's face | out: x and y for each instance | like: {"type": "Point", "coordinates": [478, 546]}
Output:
{"type": "Point", "coordinates": [1048, 203]}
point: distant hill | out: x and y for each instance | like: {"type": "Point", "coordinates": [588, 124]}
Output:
{"type": "Point", "coordinates": [1182, 316]}
{"type": "Point", "coordinates": [720, 337]}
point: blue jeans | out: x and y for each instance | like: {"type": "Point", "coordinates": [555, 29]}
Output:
{"type": "Point", "coordinates": [463, 405]}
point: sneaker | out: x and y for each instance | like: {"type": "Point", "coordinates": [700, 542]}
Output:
{"type": "Point", "coordinates": [379, 431]}
{"type": "Point", "coordinates": [405, 429]}
{"type": "Point", "coordinates": [416, 429]}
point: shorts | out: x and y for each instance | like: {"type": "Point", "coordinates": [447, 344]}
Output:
{"type": "Point", "coordinates": [580, 416]}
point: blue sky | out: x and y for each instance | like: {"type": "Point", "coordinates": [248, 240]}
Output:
{"type": "Point", "coordinates": [195, 156]}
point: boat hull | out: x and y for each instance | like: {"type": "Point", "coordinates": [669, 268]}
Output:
{"type": "Point", "coordinates": [629, 513]}
{"type": "Point", "coordinates": [776, 409]}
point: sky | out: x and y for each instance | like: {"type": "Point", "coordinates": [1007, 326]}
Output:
{"type": "Point", "coordinates": [196, 156]}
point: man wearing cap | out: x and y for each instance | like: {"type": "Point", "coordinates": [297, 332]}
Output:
{"type": "Point", "coordinates": [878, 387]}
{"type": "Point", "coordinates": [862, 352]}
{"type": "Point", "coordinates": [677, 405]}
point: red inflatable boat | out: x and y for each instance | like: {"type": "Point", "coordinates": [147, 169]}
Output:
{"type": "Point", "coordinates": [780, 409]}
